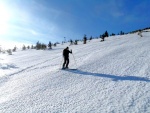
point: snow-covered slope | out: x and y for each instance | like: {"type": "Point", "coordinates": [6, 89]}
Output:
{"type": "Point", "coordinates": [111, 77]}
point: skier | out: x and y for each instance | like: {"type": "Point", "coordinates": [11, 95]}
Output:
{"type": "Point", "coordinates": [66, 57]}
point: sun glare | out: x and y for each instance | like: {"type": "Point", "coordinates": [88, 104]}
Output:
{"type": "Point", "coordinates": [5, 44]}
{"type": "Point", "coordinates": [4, 19]}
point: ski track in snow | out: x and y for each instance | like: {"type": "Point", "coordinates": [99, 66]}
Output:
{"type": "Point", "coordinates": [112, 77]}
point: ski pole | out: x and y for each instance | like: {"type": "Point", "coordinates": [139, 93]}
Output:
{"type": "Point", "coordinates": [74, 60]}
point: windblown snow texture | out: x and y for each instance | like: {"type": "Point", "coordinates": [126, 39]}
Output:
{"type": "Point", "coordinates": [111, 77]}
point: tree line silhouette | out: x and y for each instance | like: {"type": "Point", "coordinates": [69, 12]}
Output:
{"type": "Point", "coordinates": [49, 46]}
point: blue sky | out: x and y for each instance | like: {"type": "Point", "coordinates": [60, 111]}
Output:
{"type": "Point", "coordinates": [29, 21]}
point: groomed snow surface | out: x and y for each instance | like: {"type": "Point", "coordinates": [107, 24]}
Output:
{"type": "Point", "coordinates": [111, 77]}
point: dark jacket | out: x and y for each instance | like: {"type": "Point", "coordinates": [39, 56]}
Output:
{"type": "Point", "coordinates": [66, 53]}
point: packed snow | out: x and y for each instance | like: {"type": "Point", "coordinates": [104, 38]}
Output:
{"type": "Point", "coordinates": [111, 77]}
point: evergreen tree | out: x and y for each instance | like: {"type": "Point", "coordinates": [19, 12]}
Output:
{"type": "Point", "coordinates": [55, 45]}
{"type": "Point", "coordinates": [106, 34]}
{"type": "Point", "coordinates": [9, 51]}
{"type": "Point", "coordinates": [28, 47]}
{"type": "Point", "coordinates": [71, 42]}
{"type": "Point", "coordinates": [38, 45]}
{"type": "Point", "coordinates": [100, 36]}
{"type": "Point", "coordinates": [24, 47]}
{"type": "Point", "coordinates": [112, 34]}
{"type": "Point", "coordinates": [50, 45]}
{"type": "Point", "coordinates": [84, 39]}
{"type": "Point", "coordinates": [43, 46]}
{"type": "Point", "coordinates": [140, 33]}
{"type": "Point", "coordinates": [91, 38]}
{"type": "Point", "coordinates": [32, 47]}
{"type": "Point", "coordinates": [14, 50]}
{"type": "Point", "coordinates": [76, 42]}
{"type": "Point", "coordinates": [121, 33]}
{"type": "Point", "coordinates": [103, 37]}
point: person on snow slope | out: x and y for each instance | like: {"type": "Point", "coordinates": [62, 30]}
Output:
{"type": "Point", "coordinates": [66, 57]}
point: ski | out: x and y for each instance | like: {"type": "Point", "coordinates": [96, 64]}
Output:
{"type": "Point", "coordinates": [68, 69]}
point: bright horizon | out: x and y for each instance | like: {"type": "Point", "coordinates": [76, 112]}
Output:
{"type": "Point", "coordinates": [26, 22]}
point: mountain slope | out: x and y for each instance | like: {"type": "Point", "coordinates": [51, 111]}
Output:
{"type": "Point", "coordinates": [111, 76]}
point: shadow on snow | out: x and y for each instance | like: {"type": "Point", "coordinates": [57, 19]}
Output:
{"type": "Point", "coordinates": [113, 77]}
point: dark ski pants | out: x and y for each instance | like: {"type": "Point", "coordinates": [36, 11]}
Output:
{"type": "Point", "coordinates": [66, 62]}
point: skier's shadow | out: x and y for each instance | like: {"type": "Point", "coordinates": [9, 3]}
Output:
{"type": "Point", "coordinates": [113, 77]}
